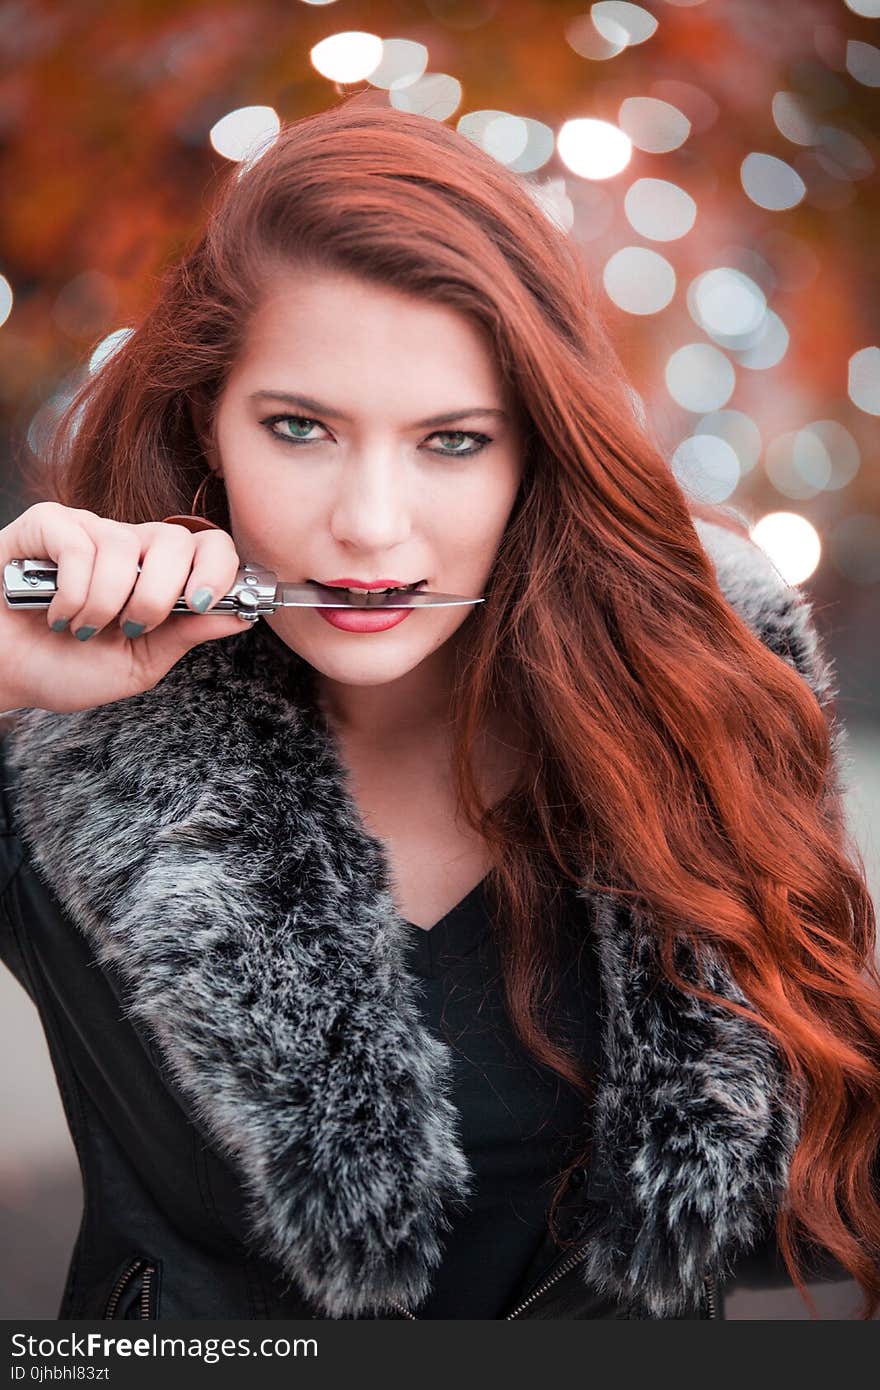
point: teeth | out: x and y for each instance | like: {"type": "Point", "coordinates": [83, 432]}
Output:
{"type": "Point", "coordinates": [404, 588]}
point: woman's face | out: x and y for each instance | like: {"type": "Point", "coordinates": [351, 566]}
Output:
{"type": "Point", "coordinates": [362, 486]}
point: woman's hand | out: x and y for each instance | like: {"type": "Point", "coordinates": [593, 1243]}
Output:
{"type": "Point", "coordinates": [99, 589]}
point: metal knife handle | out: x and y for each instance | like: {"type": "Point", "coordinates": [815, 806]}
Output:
{"type": "Point", "coordinates": [34, 583]}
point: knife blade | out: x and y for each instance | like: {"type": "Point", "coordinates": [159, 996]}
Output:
{"type": "Point", "coordinates": [323, 596]}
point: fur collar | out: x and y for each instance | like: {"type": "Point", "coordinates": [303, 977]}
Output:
{"type": "Point", "coordinates": [203, 837]}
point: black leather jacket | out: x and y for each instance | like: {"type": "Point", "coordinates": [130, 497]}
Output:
{"type": "Point", "coordinates": [163, 1231]}
{"type": "Point", "coordinates": [261, 1119]}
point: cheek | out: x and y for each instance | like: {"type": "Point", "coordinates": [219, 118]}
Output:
{"type": "Point", "coordinates": [482, 516]}
{"type": "Point", "coordinates": [264, 523]}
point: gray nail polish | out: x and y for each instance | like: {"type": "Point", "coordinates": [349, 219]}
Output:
{"type": "Point", "coordinates": [201, 599]}
{"type": "Point", "coordinates": [132, 629]}
{"type": "Point", "coordinates": [83, 634]}
{"type": "Point", "coordinates": [60, 624]}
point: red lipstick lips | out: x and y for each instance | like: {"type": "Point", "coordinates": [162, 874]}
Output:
{"type": "Point", "coordinates": [347, 582]}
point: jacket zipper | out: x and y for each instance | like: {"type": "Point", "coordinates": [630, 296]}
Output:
{"type": "Point", "coordinates": [122, 1283]}
{"type": "Point", "coordinates": [712, 1296]}
{"type": "Point", "coordinates": [569, 1262]}
{"type": "Point", "coordinates": [404, 1312]}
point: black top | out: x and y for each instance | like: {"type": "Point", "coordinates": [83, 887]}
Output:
{"type": "Point", "coordinates": [521, 1122]}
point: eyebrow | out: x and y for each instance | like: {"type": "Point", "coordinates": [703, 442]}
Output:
{"type": "Point", "coordinates": [309, 403]}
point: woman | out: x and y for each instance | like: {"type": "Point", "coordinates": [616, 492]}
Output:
{"type": "Point", "coordinates": [647, 1036]}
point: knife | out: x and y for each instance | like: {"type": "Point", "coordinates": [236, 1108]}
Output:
{"type": "Point", "coordinates": [256, 591]}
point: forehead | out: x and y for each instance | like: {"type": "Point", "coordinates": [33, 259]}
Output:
{"type": "Point", "coordinates": [319, 328]}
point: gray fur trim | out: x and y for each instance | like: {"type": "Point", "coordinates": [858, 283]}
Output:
{"type": "Point", "coordinates": [203, 837]}
{"type": "Point", "coordinates": [693, 1125]}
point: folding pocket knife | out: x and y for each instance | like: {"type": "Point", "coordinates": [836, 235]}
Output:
{"type": "Point", "coordinates": [256, 591]}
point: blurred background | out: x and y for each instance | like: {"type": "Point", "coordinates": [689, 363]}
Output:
{"type": "Point", "coordinates": [715, 162]}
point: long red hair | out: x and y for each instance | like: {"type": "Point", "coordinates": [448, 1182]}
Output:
{"type": "Point", "coordinates": [670, 752]}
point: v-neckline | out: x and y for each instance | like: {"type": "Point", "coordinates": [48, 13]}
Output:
{"type": "Point", "coordinates": [462, 903]}
{"type": "Point", "coordinates": [431, 951]}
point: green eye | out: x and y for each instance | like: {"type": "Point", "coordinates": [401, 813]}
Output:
{"type": "Point", "coordinates": [480, 442]}
{"type": "Point", "coordinates": [298, 423]}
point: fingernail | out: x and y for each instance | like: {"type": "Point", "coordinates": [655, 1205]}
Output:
{"type": "Point", "coordinates": [132, 629]}
{"type": "Point", "coordinates": [201, 599]}
{"type": "Point", "coordinates": [60, 624]}
{"type": "Point", "coordinates": [83, 634]}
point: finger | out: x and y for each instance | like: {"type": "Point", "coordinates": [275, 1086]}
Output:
{"type": "Point", "coordinates": [215, 569]}
{"type": "Point", "coordinates": [210, 572]}
{"type": "Point", "coordinates": [114, 574]}
{"type": "Point", "coordinates": [57, 533]}
{"type": "Point", "coordinates": [165, 557]}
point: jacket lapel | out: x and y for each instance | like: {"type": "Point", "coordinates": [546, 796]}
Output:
{"type": "Point", "coordinates": [694, 1127]}
{"type": "Point", "coordinates": [203, 837]}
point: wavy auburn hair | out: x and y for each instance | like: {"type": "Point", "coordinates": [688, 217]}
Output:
{"type": "Point", "coordinates": [671, 754]}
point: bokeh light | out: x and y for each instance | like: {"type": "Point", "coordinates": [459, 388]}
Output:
{"type": "Point", "coordinates": [402, 62]}
{"type": "Point", "coordinates": [797, 464]}
{"type": "Point", "coordinates": [639, 280]}
{"type": "Point", "coordinates": [793, 118]}
{"type": "Point", "coordinates": [659, 210]}
{"type": "Point", "coordinates": [706, 467]}
{"type": "Point", "coordinates": [790, 542]}
{"type": "Point", "coordinates": [593, 149]}
{"type": "Point", "coordinates": [768, 345]}
{"type": "Point", "coordinates": [653, 125]}
{"type": "Point", "coordinates": [727, 304]}
{"type": "Point", "coordinates": [6, 299]}
{"type": "Point", "coordinates": [436, 95]}
{"type": "Point", "coordinates": [863, 62]}
{"type": "Point", "coordinates": [107, 347]}
{"type": "Point", "coordinates": [840, 448]}
{"type": "Point", "coordinates": [771, 183]}
{"type": "Point", "coordinates": [863, 382]}
{"type": "Point", "coordinates": [738, 430]}
{"type": "Point", "coordinates": [44, 422]}
{"type": "Point", "coordinates": [245, 133]}
{"type": "Point", "coordinates": [587, 40]}
{"type": "Point", "coordinates": [699, 377]}
{"type": "Point", "coordinates": [347, 57]}
{"type": "Point", "coordinates": [521, 143]}
{"type": "Point", "coordinates": [611, 17]}
{"type": "Point", "coordinates": [868, 9]}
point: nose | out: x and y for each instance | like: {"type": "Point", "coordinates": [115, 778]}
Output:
{"type": "Point", "coordinates": [372, 504]}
